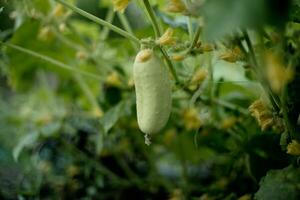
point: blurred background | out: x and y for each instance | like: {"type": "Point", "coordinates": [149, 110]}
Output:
{"type": "Point", "coordinates": [68, 127]}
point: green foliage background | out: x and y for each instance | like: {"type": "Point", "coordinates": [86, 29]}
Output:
{"type": "Point", "coordinates": [68, 132]}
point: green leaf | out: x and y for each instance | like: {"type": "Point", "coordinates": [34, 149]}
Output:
{"type": "Point", "coordinates": [227, 16]}
{"type": "Point", "coordinates": [27, 140]}
{"type": "Point", "coordinates": [111, 117]}
{"type": "Point", "coordinates": [51, 128]}
{"type": "Point", "coordinates": [23, 69]}
{"type": "Point", "coordinates": [280, 185]}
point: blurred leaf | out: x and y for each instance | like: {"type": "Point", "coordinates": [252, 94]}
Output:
{"type": "Point", "coordinates": [228, 16]}
{"type": "Point", "coordinates": [265, 157]}
{"type": "Point", "coordinates": [27, 140]}
{"type": "Point", "coordinates": [111, 117]}
{"type": "Point", "coordinates": [280, 185]}
{"type": "Point", "coordinates": [43, 6]}
{"type": "Point", "coordinates": [10, 178]}
{"type": "Point", "coordinates": [22, 68]}
{"type": "Point", "coordinates": [88, 30]}
{"type": "Point", "coordinates": [50, 128]}
{"type": "Point", "coordinates": [295, 11]}
{"type": "Point", "coordinates": [179, 21]}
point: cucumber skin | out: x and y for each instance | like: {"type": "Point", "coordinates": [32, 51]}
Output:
{"type": "Point", "coordinates": [153, 94]}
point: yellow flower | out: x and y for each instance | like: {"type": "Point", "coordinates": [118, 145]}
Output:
{"type": "Point", "coordinates": [72, 170]}
{"type": "Point", "coordinates": [206, 47]}
{"type": "Point", "coordinates": [176, 194]}
{"type": "Point", "coordinates": [232, 55]}
{"type": "Point", "coordinates": [176, 6]}
{"type": "Point", "coordinates": [59, 11]}
{"type": "Point", "coordinates": [245, 197]}
{"type": "Point", "coordinates": [199, 76]}
{"type": "Point", "coordinates": [169, 136]}
{"type": "Point", "coordinates": [167, 38]}
{"type": "Point", "coordinates": [191, 119]}
{"type": "Point", "coordinates": [81, 55]}
{"type": "Point", "coordinates": [45, 166]}
{"type": "Point", "coordinates": [62, 27]}
{"type": "Point", "coordinates": [144, 55]}
{"type": "Point", "coordinates": [120, 5]}
{"type": "Point", "coordinates": [206, 197]}
{"type": "Point", "coordinates": [262, 114]}
{"type": "Point", "coordinates": [130, 83]}
{"type": "Point", "coordinates": [46, 34]}
{"type": "Point", "coordinates": [113, 79]}
{"type": "Point", "coordinates": [228, 122]}
{"type": "Point", "coordinates": [97, 112]}
{"type": "Point", "coordinates": [228, 56]}
{"type": "Point", "coordinates": [293, 148]}
{"type": "Point", "coordinates": [177, 57]}
{"type": "Point", "coordinates": [277, 74]}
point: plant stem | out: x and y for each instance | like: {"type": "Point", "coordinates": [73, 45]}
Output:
{"type": "Point", "coordinates": [211, 78]}
{"type": "Point", "coordinates": [195, 40]}
{"type": "Point", "coordinates": [184, 171]}
{"type": "Point", "coordinates": [190, 27]}
{"type": "Point", "coordinates": [103, 169]}
{"type": "Point", "coordinates": [51, 60]}
{"type": "Point", "coordinates": [170, 65]}
{"type": "Point", "coordinates": [109, 18]}
{"type": "Point", "coordinates": [78, 78]}
{"type": "Point", "coordinates": [125, 22]}
{"type": "Point", "coordinates": [153, 18]}
{"type": "Point", "coordinates": [67, 41]}
{"type": "Point", "coordinates": [189, 21]}
{"type": "Point", "coordinates": [289, 126]}
{"type": "Point", "coordinates": [274, 101]}
{"type": "Point", "coordinates": [88, 94]}
{"type": "Point", "coordinates": [158, 34]}
{"type": "Point", "coordinates": [100, 21]}
{"type": "Point", "coordinates": [231, 106]}
{"type": "Point", "coordinates": [126, 26]}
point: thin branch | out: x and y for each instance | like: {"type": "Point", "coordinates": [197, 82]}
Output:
{"type": "Point", "coordinates": [50, 60]}
{"type": "Point", "coordinates": [158, 34]}
{"type": "Point", "coordinates": [274, 100]}
{"type": "Point", "coordinates": [195, 40]}
{"type": "Point", "coordinates": [153, 18]}
{"type": "Point", "coordinates": [231, 106]}
{"type": "Point", "coordinates": [109, 18]}
{"type": "Point", "coordinates": [170, 65]}
{"type": "Point", "coordinates": [100, 21]}
{"type": "Point", "coordinates": [126, 26]}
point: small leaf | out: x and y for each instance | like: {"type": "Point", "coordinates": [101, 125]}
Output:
{"type": "Point", "coordinates": [111, 117]}
{"type": "Point", "coordinates": [51, 128]}
{"type": "Point", "coordinates": [27, 140]}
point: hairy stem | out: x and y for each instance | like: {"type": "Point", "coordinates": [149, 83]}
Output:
{"type": "Point", "coordinates": [126, 26]}
{"type": "Point", "coordinates": [88, 94]}
{"type": "Point", "coordinates": [195, 39]}
{"type": "Point", "coordinates": [109, 18]}
{"type": "Point", "coordinates": [50, 60]}
{"type": "Point", "coordinates": [170, 65]}
{"type": "Point", "coordinates": [274, 100]}
{"type": "Point", "coordinates": [100, 21]}
{"type": "Point", "coordinates": [158, 34]}
{"type": "Point", "coordinates": [153, 18]}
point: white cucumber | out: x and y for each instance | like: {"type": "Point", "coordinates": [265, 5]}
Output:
{"type": "Point", "coordinates": [153, 92]}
